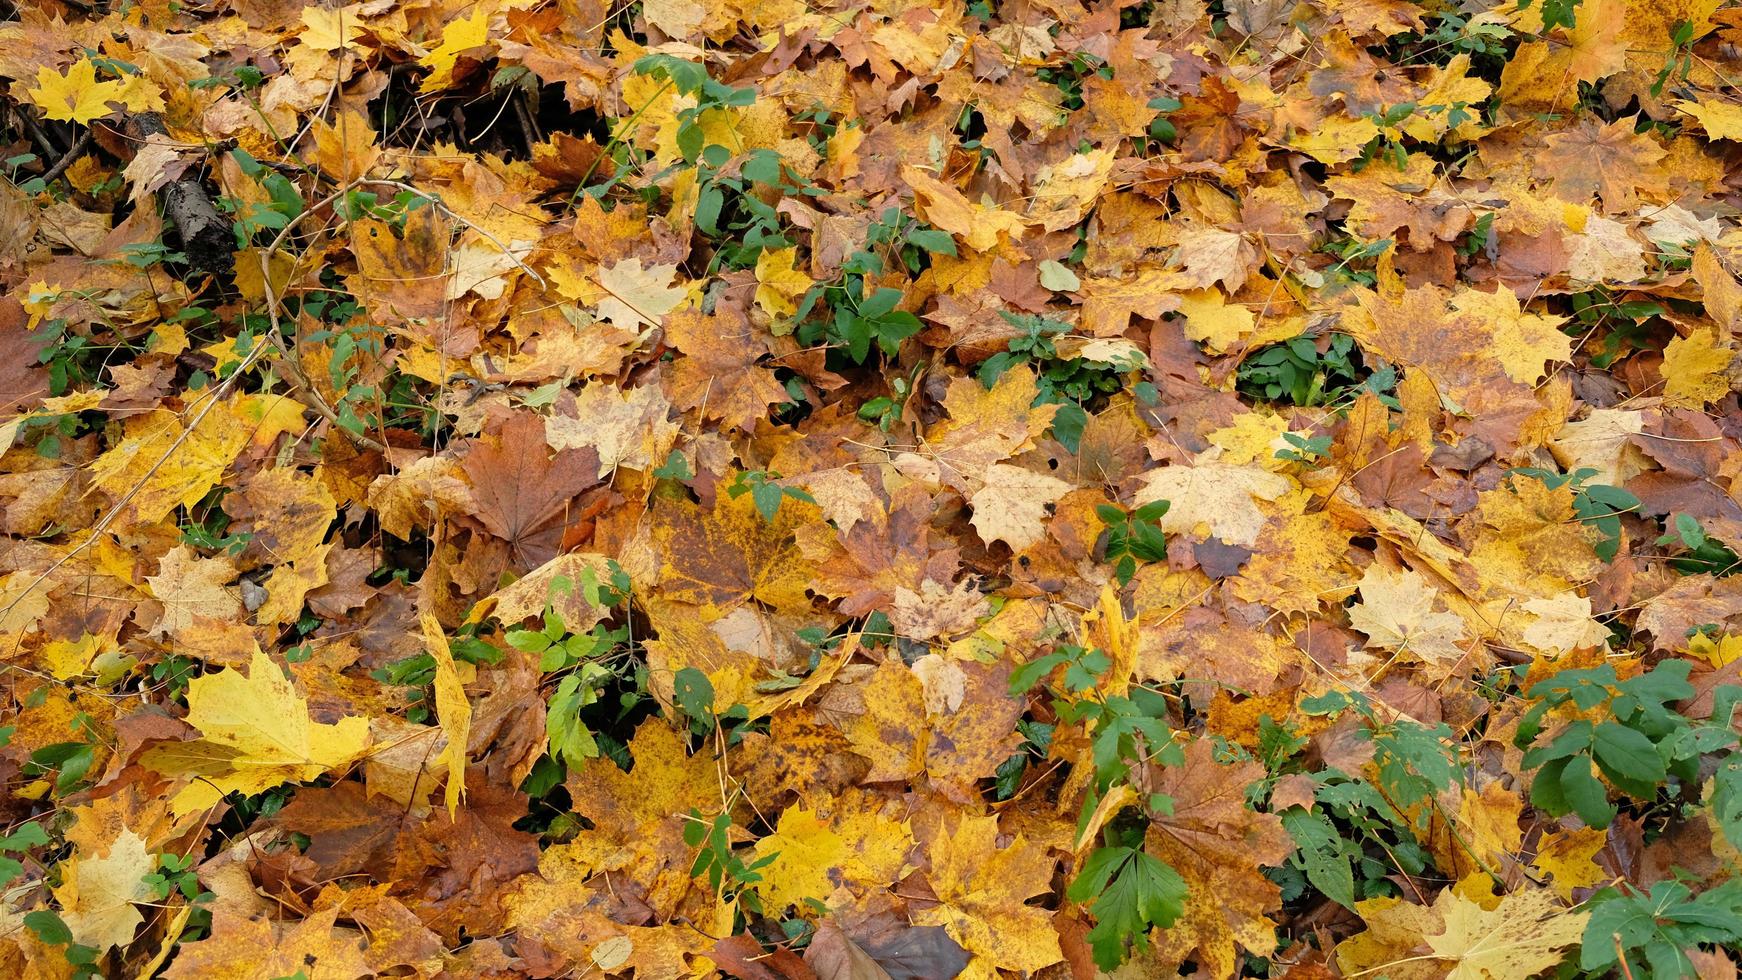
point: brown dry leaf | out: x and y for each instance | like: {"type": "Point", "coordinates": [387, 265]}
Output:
{"type": "Point", "coordinates": [521, 492]}
{"type": "Point", "coordinates": [1217, 844]}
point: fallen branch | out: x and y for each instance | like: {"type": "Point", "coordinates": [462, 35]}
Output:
{"type": "Point", "coordinates": [206, 235]}
{"type": "Point", "coordinates": [80, 145]}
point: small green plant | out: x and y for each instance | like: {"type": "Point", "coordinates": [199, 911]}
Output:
{"type": "Point", "coordinates": [582, 660]}
{"type": "Point", "coordinates": [284, 204]}
{"type": "Point", "coordinates": [1597, 505]}
{"type": "Point", "coordinates": [1650, 934]}
{"type": "Point", "coordinates": [727, 873]}
{"type": "Point", "coordinates": [25, 837]}
{"type": "Point", "coordinates": [1680, 59]}
{"type": "Point", "coordinates": [1297, 372]}
{"type": "Point", "coordinates": [175, 874]}
{"type": "Point", "coordinates": [1133, 536]}
{"type": "Point", "coordinates": [1481, 236]}
{"type": "Point", "coordinates": [884, 410]}
{"type": "Point", "coordinates": [70, 762]}
{"type": "Point", "coordinates": [1068, 382]}
{"type": "Point", "coordinates": [1128, 890]}
{"type": "Point", "coordinates": [1638, 742]}
{"type": "Point", "coordinates": [1414, 761]}
{"type": "Point", "coordinates": [764, 492]}
{"type": "Point", "coordinates": [418, 671]}
{"type": "Point", "coordinates": [1304, 448]}
{"type": "Point", "coordinates": [1703, 555]}
{"type": "Point", "coordinates": [53, 931]}
{"type": "Point", "coordinates": [1617, 326]}
{"type": "Point", "coordinates": [1069, 77]}
{"type": "Point", "coordinates": [207, 528]}
{"type": "Point", "coordinates": [850, 320]}
{"type": "Point", "coordinates": [1161, 129]}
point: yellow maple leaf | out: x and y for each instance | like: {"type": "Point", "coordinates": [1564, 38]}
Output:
{"type": "Point", "coordinates": [1521, 937]}
{"type": "Point", "coordinates": [255, 734]}
{"type": "Point", "coordinates": [458, 37]}
{"type": "Point", "coordinates": [453, 711]}
{"type": "Point", "coordinates": [166, 467]}
{"type": "Point", "coordinates": [1011, 505]}
{"type": "Point", "coordinates": [1566, 857]}
{"type": "Point", "coordinates": [1720, 653]}
{"type": "Point", "coordinates": [982, 892]}
{"type": "Point", "coordinates": [1396, 612]}
{"type": "Point", "coordinates": [638, 295]}
{"type": "Point", "coordinates": [1213, 321]}
{"type": "Point", "coordinates": [97, 893]}
{"type": "Point", "coordinates": [976, 224]}
{"type": "Point", "coordinates": [76, 96]}
{"type": "Point", "coordinates": [778, 282]}
{"type": "Point", "coordinates": [856, 846]}
{"type": "Point", "coordinates": [1693, 370]}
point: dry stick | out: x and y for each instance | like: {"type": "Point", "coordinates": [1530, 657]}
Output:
{"type": "Point", "coordinates": [79, 146]}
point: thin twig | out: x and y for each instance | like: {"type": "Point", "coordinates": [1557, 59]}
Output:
{"type": "Point", "coordinates": [216, 395]}
{"type": "Point", "coordinates": [79, 147]}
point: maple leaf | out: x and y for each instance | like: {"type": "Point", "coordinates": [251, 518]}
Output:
{"type": "Point", "coordinates": [163, 464]}
{"type": "Point", "coordinates": [730, 554]}
{"type": "Point", "coordinates": [637, 296]}
{"type": "Point", "coordinates": [982, 890]}
{"type": "Point", "coordinates": [1523, 935]}
{"type": "Point", "coordinates": [622, 428]}
{"type": "Point", "coordinates": [255, 734]}
{"type": "Point", "coordinates": [521, 492]}
{"type": "Point", "coordinates": [75, 96]}
{"type": "Point", "coordinates": [254, 945]}
{"type": "Point", "coordinates": [1217, 845]}
{"type": "Point", "coordinates": [1396, 612]}
{"type": "Point", "coordinates": [1694, 370]}
{"type": "Point", "coordinates": [778, 282]}
{"type": "Point", "coordinates": [190, 587]}
{"type": "Point", "coordinates": [1566, 858]}
{"type": "Point", "coordinates": [718, 347]}
{"type": "Point", "coordinates": [857, 847]}
{"type": "Point", "coordinates": [1011, 506]}
{"type": "Point", "coordinates": [1218, 497]}
{"type": "Point", "coordinates": [458, 37]}
{"type": "Point", "coordinates": [98, 892]}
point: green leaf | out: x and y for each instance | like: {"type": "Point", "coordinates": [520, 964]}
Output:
{"type": "Point", "coordinates": [48, 927]}
{"type": "Point", "coordinates": [933, 241]}
{"type": "Point", "coordinates": [694, 693]}
{"type": "Point", "coordinates": [1067, 425]}
{"type": "Point", "coordinates": [766, 497]}
{"type": "Point", "coordinates": [880, 303]}
{"type": "Point", "coordinates": [1133, 892]}
{"type": "Point", "coordinates": [25, 837]}
{"type": "Point", "coordinates": [1584, 794]}
{"type": "Point", "coordinates": [1026, 676]}
{"type": "Point", "coordinates": [1627, 756]}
